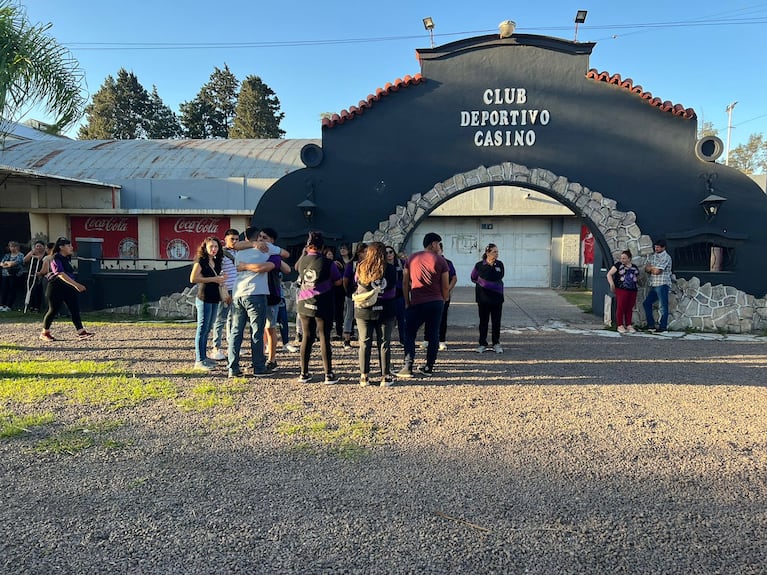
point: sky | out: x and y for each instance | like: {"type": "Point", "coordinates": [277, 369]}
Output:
{"type": "Point", "coordinates": [327, 56]}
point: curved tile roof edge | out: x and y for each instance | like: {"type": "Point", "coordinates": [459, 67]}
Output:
{"type": "Point", "coordinates": [628, 84]}
{"type": "Point", "coordinates": [354, 111]}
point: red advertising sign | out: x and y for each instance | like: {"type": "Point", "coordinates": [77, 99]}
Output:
{"type": "Point", "coordinates": [181, 236]}
{"type": "Point", "coordinates": [120, 234]}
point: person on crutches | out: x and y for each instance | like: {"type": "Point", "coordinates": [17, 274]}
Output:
{"type": "Point", "coordinates": [34, 259]}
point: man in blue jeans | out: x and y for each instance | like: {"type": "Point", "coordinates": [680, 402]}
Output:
{"type": "Point", "coordinates": [658, 268]}
{"type": "Point", "coordinates": [426, 286]}
{"type": "Point", "coordinates": [249, 303]}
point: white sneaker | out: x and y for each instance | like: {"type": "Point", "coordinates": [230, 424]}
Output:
{"type": "Point", "coordinates": [442, 346]}
{"type": "Point", "coordinates": [217, 354]}
{"type": "Point", "coordinates": [481, 349]}
{"type": "Point", "coordinates": [424, 345]}
{"type": "Point", "coordinates": [292, 348]}
{"type": "Point", "coordinates": [497, 348]}
{"type": "Point", "coordinates": [621, 329]}
{"type": "Point", "coordinates": [202, 366]}
{"type": "Point", "coordinates": [4, 308]}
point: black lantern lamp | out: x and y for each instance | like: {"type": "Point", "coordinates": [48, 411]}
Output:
{"type": "Point", "coordinates": [307, 208]}
{"type": "Point", "coordinates": [711, 205]}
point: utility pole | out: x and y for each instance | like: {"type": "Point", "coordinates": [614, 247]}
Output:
{"type": "Point", "coordinates": [729, 132]}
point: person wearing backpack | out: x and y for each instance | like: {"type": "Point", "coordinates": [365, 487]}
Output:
{"type": "Point", "coordinates": [317, 275]}
{"type": "Point", "coordinates": [375, 310]}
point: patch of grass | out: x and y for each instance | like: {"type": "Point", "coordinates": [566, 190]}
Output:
{"type": "Point", "coordinates": [208, 395]}
{"type": "Point", "coordinates": [580, 298]}
{"type": "Point", "coordinates": [80, 382]}
{"type": "Point", "coordinates": [342, 435]}
{"type": "Point", "coordinates": [233, 424]}
{"type": "Point", "coordinates": [9, 350]}
{"type": "Point", "coordinates": [12, 425]}
{"type": "Point", "coordinates": [84, 435]}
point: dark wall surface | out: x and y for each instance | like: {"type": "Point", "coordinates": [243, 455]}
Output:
{"type": "Point", "coordinates": [598, 134]}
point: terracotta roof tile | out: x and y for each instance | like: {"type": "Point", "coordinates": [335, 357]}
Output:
{"type": "Point", "coordinates": [628, 84]}
{"type": "Point", "coordinates": [354, 111]}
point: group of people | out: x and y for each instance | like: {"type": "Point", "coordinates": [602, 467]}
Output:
{"type": "Point", "coordinates": [624, 279]}
{"type": "Point", "coordinates": [373, 290]}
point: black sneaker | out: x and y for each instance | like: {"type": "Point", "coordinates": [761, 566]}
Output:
{"type": "Point", "coordinates": [426, 370]}
{"type": "Point", "coordinates": [331, 378]}
{"type": "Point", "coordinates": [347, 345]}
{"type": "Point", "coordinates": [235, 373]}
{"type": "Point", "coordinates": [305, 377]}
{"type": "Point", "coordinates": [271, 366]}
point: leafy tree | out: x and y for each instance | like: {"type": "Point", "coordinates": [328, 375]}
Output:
{"type": "Point", "coordinates": [101, 113]}
{"type": "Point", "coordinates": [211, 113]}
{"type": "Point", "coordinates": [258, 112]}
{"type": "Point", "coordinates": [36, 70]}
{"type": "Point", "coordinates": [751, 157]}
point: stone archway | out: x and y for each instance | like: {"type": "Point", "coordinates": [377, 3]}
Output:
{"type": "Point", "coordinates": [618, 229]}
{"type": "Point", "coordinates": [692, 305]}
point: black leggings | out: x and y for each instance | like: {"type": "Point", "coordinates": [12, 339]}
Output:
{"type": "Point", "coordinates": [58, 292]}
{"type": "Point", "coordinates": [313, 328]}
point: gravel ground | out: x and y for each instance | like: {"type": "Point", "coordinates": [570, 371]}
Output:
{"type": "Point", "coordinates": [569, 453]}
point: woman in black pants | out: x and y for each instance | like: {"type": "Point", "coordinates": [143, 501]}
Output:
{"type": "Point", "coordinates": [63, 288]}
{"type": "Point", "coordinates": [487, 276]}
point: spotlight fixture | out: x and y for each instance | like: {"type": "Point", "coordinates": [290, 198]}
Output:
{"type": "Point", "coordinates": [428, 24]}
{"type": "Point", "coordinates": [580, 18]}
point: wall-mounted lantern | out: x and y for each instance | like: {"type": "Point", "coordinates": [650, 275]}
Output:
{"type": "Point", "coordinates": [307, 208]}
{"type": "Point", "coordinates": [711, 205]}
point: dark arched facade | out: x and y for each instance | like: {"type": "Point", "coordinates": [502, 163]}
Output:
{"type": "Point", "coordinates": [524, 110]}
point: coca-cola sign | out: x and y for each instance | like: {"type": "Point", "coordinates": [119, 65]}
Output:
{"type": "Point", "coordinates": [180, 236]}
{"type": "Point", "coordinates": [119, 234]}
{"type": "Point", "coordinates": [209, 226]}
{"type": "Point", "coordinates": [106, 224]}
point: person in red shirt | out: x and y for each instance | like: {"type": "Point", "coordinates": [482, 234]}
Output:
{"type": "Point", "coordinates": [426, 286]}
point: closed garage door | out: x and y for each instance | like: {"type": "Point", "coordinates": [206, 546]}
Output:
{"type": "Point", "coordinates": [524, 246]}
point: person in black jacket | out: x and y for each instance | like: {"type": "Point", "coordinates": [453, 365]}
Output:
{"type": "Point", "coordinates": [487, 276]}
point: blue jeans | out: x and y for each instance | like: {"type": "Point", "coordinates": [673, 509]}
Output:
{"type": "Point", "coordinates": [223, 320]}
{"type": "Point", "coordinates": [253, 310]}
{"type": "Point", "coordinates": [659, 294]}
{"type": "Point", "coordinates": [429, 313]}
{"type": "Point", "coordinates": [206, 313]}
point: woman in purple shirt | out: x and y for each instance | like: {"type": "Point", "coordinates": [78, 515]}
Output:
{"type": "Point", "coordinates": [487, 276]}
{"type": "Point", "coordinates": [63, 288]}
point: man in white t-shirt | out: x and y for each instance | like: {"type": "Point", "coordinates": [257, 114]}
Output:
{"type": "Point", "coordinates": [249, 302]}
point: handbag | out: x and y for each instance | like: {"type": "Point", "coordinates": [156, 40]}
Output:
{"type": "Point", "coordinates": [365, 297]}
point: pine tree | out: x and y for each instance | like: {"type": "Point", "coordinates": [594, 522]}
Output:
{"type": "Point", "coordinates": [211, 113]}
{"type": "Point", "coordinates": [258, 112]}
{"type": "Point", "coordinates": [121, 110]}
{"type": "Point", "coordinates": [162, 123]}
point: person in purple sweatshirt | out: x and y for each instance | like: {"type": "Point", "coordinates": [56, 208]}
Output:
{"type": "Point", "coordinates": [487, 276]}
{"type": "Point", "coordinates": [317, 275]}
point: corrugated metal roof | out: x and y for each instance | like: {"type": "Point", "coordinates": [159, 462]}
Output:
{"type": "Point", "coordinates": [110, 160]}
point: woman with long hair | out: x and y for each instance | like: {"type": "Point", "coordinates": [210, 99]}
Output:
{"type": "Point", "coordinates": [63, 288]}
{"type": "Point", "coordinates": [487, 276]}
{"type": "Point", "coordinates": [317, 276]}
{"type": "Point", "coordinates": [375, 273]}
{"type": "Point", "coordinates": [206, 273]}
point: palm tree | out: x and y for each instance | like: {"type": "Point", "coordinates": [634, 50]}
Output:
{"type": "Point", "coordinates": [35, 70]}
